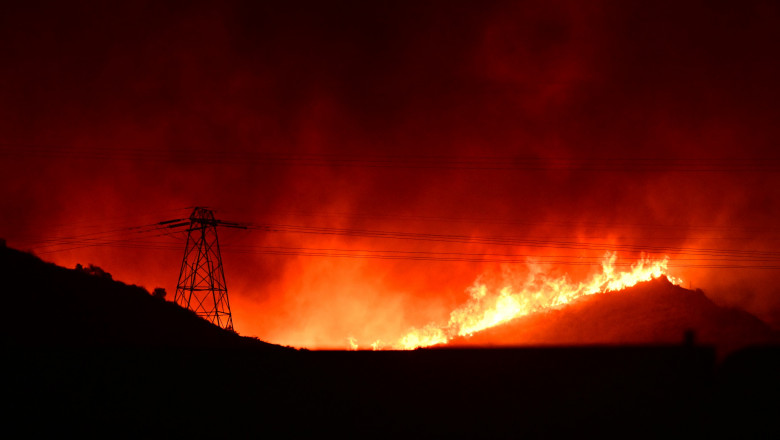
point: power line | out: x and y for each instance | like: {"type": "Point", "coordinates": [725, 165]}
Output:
{"type": "Point", "coordinates": [493, 220]}
{"type": "Point", "coordinates": [503, 241]}
{"type": "Point", "coordinates": [718, 258]}
{"type": "Point", "coordinates": [552, 240]}
{"type": "Point", "coordinates": [732, 263]}
{"type": "Point", "coordinates": [106, 239]}
{"type": "Point", "coordinates": [520, 163]}
{"type": "Point", "coordinates": [87, 238]}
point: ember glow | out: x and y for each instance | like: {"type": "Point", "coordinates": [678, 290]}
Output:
{"type": "Point", "coordinates": [488, 307]}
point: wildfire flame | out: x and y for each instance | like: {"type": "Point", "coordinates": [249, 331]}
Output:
{"type": "Point", "coordinates": [486, 309]}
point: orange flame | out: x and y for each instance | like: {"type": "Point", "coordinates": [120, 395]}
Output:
{"type": "Point", "coordinates": [487, 309]}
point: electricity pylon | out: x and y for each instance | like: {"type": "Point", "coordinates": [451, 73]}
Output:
{"type": "Point", "coordinates": [201, 287]}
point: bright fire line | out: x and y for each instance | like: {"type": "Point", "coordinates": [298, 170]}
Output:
{"type": "Point", "coordinates": [486, 309]}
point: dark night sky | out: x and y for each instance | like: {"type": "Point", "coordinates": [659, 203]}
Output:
{"type": "Point", "coordinates": [642, 124]}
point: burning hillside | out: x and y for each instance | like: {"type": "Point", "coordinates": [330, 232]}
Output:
{"type": "Point", "coordinates": [641, 305]}
{"type": "Point", "coordinates": [495, 303]}
{"type": "Point", "coordinates": [653, 312]}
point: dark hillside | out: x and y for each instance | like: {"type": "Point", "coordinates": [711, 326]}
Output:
{"type": "Point", "coordinates": [50, 306]}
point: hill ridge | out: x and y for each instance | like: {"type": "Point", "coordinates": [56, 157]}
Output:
{"type": "Point", "coordinates": [60, 307]}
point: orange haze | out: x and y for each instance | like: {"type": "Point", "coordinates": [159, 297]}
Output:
{"type": "Point", "coordinates": [475, 142]}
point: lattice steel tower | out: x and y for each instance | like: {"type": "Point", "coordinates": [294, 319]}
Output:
{"type": "Point", "coordinates": [201, 287]}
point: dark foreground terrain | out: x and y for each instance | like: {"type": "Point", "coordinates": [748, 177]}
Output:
{"type": "Point", "coordinates": [647, 392]}
{"type": "Point", "coordinates": [123, 363]}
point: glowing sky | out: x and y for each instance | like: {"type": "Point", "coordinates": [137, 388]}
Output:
{"type": "Point", "coordinates": [648, 125]}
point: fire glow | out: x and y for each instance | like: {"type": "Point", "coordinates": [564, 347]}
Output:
{"type": "Point", "coordinates": [488, 307]}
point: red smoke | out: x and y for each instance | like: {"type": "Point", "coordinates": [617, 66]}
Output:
{"type": "Point", "coordinates": [624, 123]}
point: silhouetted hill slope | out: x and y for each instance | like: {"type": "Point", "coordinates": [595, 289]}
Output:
{"type": "Point", "coordinates": [655, 312]}
{"type": "Point", "coordinates": [51, 306]}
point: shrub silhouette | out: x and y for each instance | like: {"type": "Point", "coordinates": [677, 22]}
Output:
{"type": "Point", "coordinates": [94, 270]}
{"type": "Point", "coordinates": [159, 292]}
